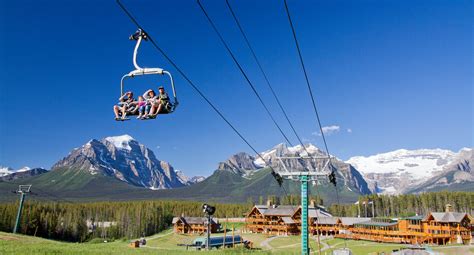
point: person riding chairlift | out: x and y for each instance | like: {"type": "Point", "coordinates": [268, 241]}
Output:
{"type": "Point", "coordinates": [150, 98]}
{"type": "Point", "coordinates": [126, 105]}
{"type": "Point", "coordinates": [162, 103]}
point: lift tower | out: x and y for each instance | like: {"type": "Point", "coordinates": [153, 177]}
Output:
{"type": "Point", "coordinates": [304, 177]}
{"type": "Point", "coordinates": [22, 190]}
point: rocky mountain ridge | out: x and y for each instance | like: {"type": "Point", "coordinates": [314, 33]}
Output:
{"type": "Point", "coordinates": [246, 165]}
{"type": "Point", "coordinates": [125, 159]}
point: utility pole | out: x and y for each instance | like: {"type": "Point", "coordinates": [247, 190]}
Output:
{"type": "Point", "coordinates": [304, 177]}
{"type": "Point", "coordinates": [22, 190]}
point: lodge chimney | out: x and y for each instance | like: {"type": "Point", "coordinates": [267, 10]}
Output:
{"type": "Point", "coordinates": [269, 203]}
{"type": "Point", "coordinates": [312, 203]}
{"type": "Point", "coordinates": [449, 208]}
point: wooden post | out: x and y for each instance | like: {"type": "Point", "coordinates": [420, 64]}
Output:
{"type": "Point", "coordinates": [225, 234]}
{"type": "Point", "coordinates": [233, 244]}
{"type": "Point", "coordinates": [241, 237]}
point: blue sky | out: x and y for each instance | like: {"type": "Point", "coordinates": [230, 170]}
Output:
{"type": "Point", "coordinates": [398, 74]}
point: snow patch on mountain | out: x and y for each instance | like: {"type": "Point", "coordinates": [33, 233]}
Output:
{"type": "Point", "coordinates": [417, 163]}
{"type": "Point", "coordinates": [24, 169]}
{"type": "Point", "coordinates": [402, 168]}
{"type": "Point", "coordinates": [120, 142]}
{"type": "Point", "coordinates": [4, 171]}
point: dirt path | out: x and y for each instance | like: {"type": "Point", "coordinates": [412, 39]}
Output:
{"type": "Point", "coordinates": [265, 244]}
{"type": "Point", "coordinates": [158, 236]}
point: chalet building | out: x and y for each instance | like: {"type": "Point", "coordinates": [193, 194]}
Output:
{"type": "Point", "coordinates": [435, 228]}
{"type": "Point", "coordinates": [448, 227]}
{"type": "Point", "coordinates": [334, 225]}
{"type": "Point", "coordinates": [279, 219]}
{"type": "Point", "coordinates": [193, 225]}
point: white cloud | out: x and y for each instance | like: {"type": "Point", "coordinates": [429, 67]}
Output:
{"type": "Point", "coordinates": [349, 130]}
{"type": "Point", "coordinates": [158, 147]}
{"type": "Point", "coordinates": [328, 130]}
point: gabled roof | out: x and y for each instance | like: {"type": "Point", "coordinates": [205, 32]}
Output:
{"type": "Point", "coordinates": [446, 216]}
{"type": "Point", "coordinates": [261, 208]}
{"type": "Point", "coordinates": [288, 220]}
{"type": "Point", "coordinates": [327, 220]}
{"type": "Point", "coordinates": [313, 213]}
{"type": "Point", "coordinates": [192, 220]}
{"type": "Point", "coordinates": [280, 210]}
{"type": "Point", "coordinates": [349, 221]}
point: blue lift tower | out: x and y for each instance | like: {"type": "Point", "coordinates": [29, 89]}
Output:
{"type": "Point", "coordinates": [304, 177]}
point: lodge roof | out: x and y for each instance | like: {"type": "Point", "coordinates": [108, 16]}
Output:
{"type": "Point", "coordinates": [317, 213]}
{"type": "Point", "coordinates": [328, 220]}
{"type": "Point", "coordinates": [349, 221]}
{"type": "Point", "coordinates": [446, 216]}
{"type": "Point", "coordinates": [289, 210]}
{"type": "Point", "coordinates": [377, 223]}
{"type": "Point", "coordinates": [280, 210]}
{"type": "Point", "coordinates": [192, 220]}
{"type": "Point", "coordinates": [288, 220]}
{"type": "Point", "coordinates": [416, 217]}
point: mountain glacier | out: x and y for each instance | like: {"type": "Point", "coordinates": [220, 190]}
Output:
{"type": "Point", "coordinates": [399, 171]}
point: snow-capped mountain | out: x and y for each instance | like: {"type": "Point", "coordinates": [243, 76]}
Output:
{"type": "Point", "coordinates": [398, 171]}
{"type": "Point", "coordinates": [457, 175]}
{"type": "Point", "coordinates": [124, 158]}
{"type": "Point", "coordinates": [23, 173]}
{"type": "Point", "coordinates": [189, 180]}
{"type": "Point", "coordinates": [246, 165]}
{"type": "Point", "coordinates": [4, 171]}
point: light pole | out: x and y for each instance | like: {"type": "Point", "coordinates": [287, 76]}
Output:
{"type": "Point", "coordinates": [208, 210]}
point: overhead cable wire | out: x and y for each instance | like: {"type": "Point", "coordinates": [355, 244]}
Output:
{"type": "Point", "coordinates": [248, 82]}
{"type": "Point", "coordinates": [332, 176]}
{"type": "Point", "coordinates": [243, 72]}
{"type": "Point", "coordinates": [277, 177]}
{"type": "Point", "coordinates": [273, 93]}
{"type": "Point", "coordinates": [307, 79]}
{"type": "Point", "coordinates": [265, 75]}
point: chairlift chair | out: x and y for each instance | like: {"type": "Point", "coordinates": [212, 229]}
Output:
{"type": "Point", "coordinates": [139, 36]}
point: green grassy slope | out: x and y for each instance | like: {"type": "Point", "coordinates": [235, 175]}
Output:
{"type": "Point", "coordinates": [166, 243]}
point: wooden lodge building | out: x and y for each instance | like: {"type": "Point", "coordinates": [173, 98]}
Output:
{"type": "Point", "coordinates": [193, 225]}
{"type": "Point", "coordinates": [435, 228]}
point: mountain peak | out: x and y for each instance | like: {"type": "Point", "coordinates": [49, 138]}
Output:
{"type": "Point", "coordinates": [123, 158]}
{"type": "Point", "coordinates": [121, 141]}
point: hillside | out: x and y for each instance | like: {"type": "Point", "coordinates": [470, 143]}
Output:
{"type": "Point", "coordinates": [222, 186]}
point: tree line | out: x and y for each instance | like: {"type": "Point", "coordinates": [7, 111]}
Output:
{"type": "Point", "coordinates": [107, 220]}
{"type": "Point", "coordinates": [79, 222]}
{"type": "Point", "coordinates": [406, 205]}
